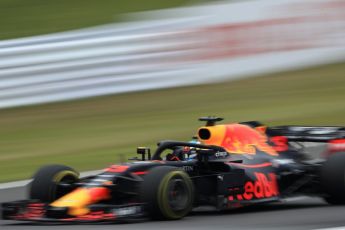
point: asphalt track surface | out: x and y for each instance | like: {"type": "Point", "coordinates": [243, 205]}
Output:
{"type": "Point", "coordinates": [299, 213]}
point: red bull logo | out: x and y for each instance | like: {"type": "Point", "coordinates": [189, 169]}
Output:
{"type": "Point", "coordinates": [237, 138]}
{"type": "Point", "coordinates": [263, 187]}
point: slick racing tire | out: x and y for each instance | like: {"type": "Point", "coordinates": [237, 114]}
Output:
{"type": "Point", "coordinates": [44, 185]}
{"type": "Point", "coordinates": [168, 193]}
{"type": "Point", "coordinates": [333, 179]}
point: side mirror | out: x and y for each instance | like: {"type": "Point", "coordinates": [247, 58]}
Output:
{"type": "Point", "coordinates": [143, 151]}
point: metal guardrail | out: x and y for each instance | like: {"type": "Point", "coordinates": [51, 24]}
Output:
{"type": "Point", "coordinates": [212, 43]}
{"type": "Point", "coordinates": [88, 63]}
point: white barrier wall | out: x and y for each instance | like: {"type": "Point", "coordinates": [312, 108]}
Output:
{"type": "Point", "coordinates": [177, 47]}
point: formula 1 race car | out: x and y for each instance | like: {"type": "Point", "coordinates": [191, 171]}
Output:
{"type": "Point", "coordinates": [227, 166]}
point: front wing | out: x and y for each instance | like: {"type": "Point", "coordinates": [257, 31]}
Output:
{"type": "Point", "coordinates": [32, 210]}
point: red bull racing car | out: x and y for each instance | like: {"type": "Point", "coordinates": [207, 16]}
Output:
{"type": "Point", "coordinates": [226, 166]}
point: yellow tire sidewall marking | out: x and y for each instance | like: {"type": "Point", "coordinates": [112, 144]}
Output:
{"type": "Point", "coordinates": [162, 195]}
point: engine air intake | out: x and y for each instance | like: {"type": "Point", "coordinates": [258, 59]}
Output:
{"type": "Point", "coordinates": [204, 134]}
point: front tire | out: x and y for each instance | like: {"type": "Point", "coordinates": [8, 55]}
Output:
{"type": "Point", "coordinates": [333, 179]}
{"type": "Point", "coordinates": [44, 185]}
{"type": "Point", "coordinates": [168, 193]}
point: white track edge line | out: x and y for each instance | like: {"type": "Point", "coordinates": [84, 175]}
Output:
{"type": "Point", "coordinates": [22, 183]}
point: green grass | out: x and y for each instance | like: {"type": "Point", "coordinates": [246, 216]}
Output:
{"type": "Point", "coordinates": [90, 134]}
{"type": "Point", "coordinates": [20, 18]}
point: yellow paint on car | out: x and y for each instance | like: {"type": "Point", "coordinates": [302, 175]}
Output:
{"type": "Point", "coordinates": [77, 201]}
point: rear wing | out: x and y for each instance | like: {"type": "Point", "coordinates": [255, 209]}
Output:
{"type": "Point", "coordinates": [308, 133]}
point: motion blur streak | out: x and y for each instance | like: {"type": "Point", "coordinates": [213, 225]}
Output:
{"type": "Point", "coordinates": [184, 46]}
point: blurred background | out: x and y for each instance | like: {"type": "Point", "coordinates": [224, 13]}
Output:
{"type": "Point", "coordinates": [83, 83]}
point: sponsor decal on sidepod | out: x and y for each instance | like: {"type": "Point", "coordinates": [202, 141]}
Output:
{"type": "Point", "coordinates": [263, 187]}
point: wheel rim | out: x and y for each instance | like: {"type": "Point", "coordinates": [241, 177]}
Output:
{"type": "Point", "coordinates": [177, 194]}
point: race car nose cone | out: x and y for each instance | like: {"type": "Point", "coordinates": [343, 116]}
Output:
{"type": "Point", "coordinates": [78, 200]}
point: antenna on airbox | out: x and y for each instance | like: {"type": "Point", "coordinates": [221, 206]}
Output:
{"type": "Point", "coordinates": [210, 120]}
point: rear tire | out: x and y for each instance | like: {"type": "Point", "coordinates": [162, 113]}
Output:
{"type": "Point", "coordinates": [168, 193]}
{"type": "Point", "coordinates": [44, 184]}
{"type": "Point", "coordinates": [333, 179]}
